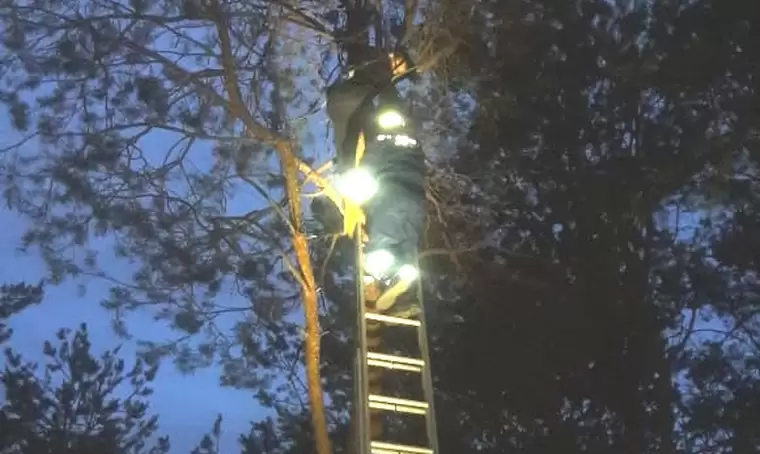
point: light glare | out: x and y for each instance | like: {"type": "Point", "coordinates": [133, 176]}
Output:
{"type": "Point", "coordinates": [408, 273]}
{"type": "Point", "coordinates": [402, 140]}
{"type": "Point", "coordinates": [390, 119]}
{"type": "Point", "coordinates": [378, 262]}
{"type": "Point", "coordinates": [399, 140]}
{"type": "Point", "coordinates": [357, 185]}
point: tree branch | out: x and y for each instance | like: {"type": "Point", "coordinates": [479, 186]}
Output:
{"type": "Point", "coordinates": [308, 286]}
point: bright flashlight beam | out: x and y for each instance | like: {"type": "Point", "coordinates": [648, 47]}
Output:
{"type": "Point", "coordinates": [378, 262]}
{"type": "Point", "coordinates": [390, 119]}
{"type": "Point", "coordinates": [408, 273]}
{"type": "Point", "coordinates": [357, 185]}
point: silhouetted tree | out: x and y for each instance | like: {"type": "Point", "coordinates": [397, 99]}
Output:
{"type": "Point", "coordinates": [209, 443]}
{"type": "Point", "coordinates": [13, 299]}
{"type": "Point", "coordinates": [176, 129]}
{"type": "Point", "coordinates": [574, 145]}
{"type": "Point", "coordinates": [608, 143]}
{"type": "Point", "coordinates": [77, 403]}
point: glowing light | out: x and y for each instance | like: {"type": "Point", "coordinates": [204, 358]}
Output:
{"type": "Point", "coordinates": [400, 140]}
{"type": "Point", "coordinates": [357, 185]}
{"type": "Point", "coordinates": [408, 273]}
{"type": "Point", "coordinates": [390, 119]}
{"type": "Point", "coordinates": [378, 262]}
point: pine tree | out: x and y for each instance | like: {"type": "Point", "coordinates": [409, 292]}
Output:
{"type": "Point", "coordinates": [14, 298]}
{"type": "Point", "coordinates": [572, 140]}
{"type": "Point", "coordinates": [76, 402]}
{"type": "Point", "coordinates": [179, 132]}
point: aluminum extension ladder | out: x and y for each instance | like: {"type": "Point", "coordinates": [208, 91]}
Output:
{"type": "Point", "coordinates": [393, 387]}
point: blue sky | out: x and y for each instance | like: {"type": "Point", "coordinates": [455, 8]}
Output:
{"type": "Point", "coordinates": [187, 404]}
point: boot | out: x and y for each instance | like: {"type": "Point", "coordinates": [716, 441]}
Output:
{"type": "Point", "coordinates": [390, 295]}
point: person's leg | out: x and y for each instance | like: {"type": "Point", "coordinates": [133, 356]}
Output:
{"type": "Point", "coordinates": [344, 101]}
{"type": "Point", "coordinates": [395, 226]}
{"type": "Point", "coordinates": [396, 214]}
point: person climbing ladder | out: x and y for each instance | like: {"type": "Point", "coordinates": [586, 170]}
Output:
{"type": "Point", "coordinates": [380, 168]}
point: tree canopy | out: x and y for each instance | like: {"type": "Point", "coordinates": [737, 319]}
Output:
{"type": "Point", "coordinates": [607, 139]}
{"type": "Point", "coordinates": [13, 299]}
{"type": "Point", "coordinates": [73, 405]}
{"type": "Point", "coordinates": [591, 272]}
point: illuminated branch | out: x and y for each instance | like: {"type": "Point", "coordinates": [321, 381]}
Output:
{"type": "Point", "coordinates": [305, 273]}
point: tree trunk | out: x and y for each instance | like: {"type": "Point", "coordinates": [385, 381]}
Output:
{"type": "Point", "coordinates": [309, 298]}
{"type": "Point", "coordinates": [304, 273]}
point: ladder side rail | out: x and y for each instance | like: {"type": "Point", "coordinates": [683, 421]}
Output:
{"type": "Point", "coordinates": [361, 380]}
{"type": "Point", "coordinates": [427, 373]}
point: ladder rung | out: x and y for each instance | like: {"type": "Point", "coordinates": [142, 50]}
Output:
{"type": "Point", "coordinates": [387, 403]}
{"type": "Point", "coordinates": [378, 447]}
{"type": "Point", "coordinates": [396, 359]}
{"type": "Point", "coordinates": [392, 320]}
{"type": "Point", "coordinates": [395, 362]}
{"type": "Point", "coordinates": [394, 366]}
{"type": "Point", "coordinates": [397, 408]}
